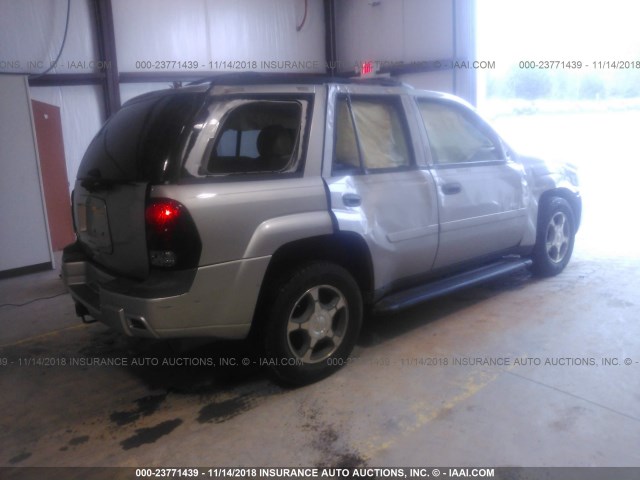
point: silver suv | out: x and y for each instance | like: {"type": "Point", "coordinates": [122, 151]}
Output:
{"type": "Point", "coordinates": [285, 207]}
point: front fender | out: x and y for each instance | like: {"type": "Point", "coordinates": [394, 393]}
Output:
{"type": "Point", "coordinates": [545, 175]}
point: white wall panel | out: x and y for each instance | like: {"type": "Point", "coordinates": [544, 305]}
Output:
{"type": "Point", "coordinates": [406, 32]}
{"type": "Point", "coordinates": [31, 33]}
{"type": "Point", "coordinates": [265, 30]}
{"type": "Point", "coordinates": [155, 30]}
{"type": "Point", "coordinates": [210, 31]}
{"type": "Point", "coordinates": [439, 81]}
{"type": "Point", "coordinates": [81, 113]}
{"type": "Point", "coordinates": [24, 236]}
{"type": "Point", "coordinates": [365, 32]}
{"type": "Point", "coordinates": [393, 31]}
{"type": "Point", "coordinates": [428, 30]}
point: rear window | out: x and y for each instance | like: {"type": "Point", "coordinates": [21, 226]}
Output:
{"type": "Point", "coordinates": [257, 137]}
{"type": "Point", "coordinates": [239, 137]}
{"type": "Point", "coordinates": [142, 141]}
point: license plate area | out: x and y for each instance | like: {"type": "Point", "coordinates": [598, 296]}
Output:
{"type": "Point", "coordinates": [93, 224]}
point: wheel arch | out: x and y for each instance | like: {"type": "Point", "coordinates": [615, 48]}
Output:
{"type": "Point", "coordinates": [574, 201]}
{"type": "Point", "coordinates": [346, 249]}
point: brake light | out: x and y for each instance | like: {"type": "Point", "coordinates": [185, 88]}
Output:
{"type": "Point", "coordinates": [162, 215]}
{"type": "Point", "coordinates": [172, 238]}
{"type": "Point", "coordinates": [366, 69]}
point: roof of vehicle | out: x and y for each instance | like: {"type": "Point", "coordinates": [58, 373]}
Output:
{"type": "Point", "coordinates": [257, 78]}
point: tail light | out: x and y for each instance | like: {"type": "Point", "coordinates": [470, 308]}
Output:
{"type": "Point", "coordinates": [172, 238]}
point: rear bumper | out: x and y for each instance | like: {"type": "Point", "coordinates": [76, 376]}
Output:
{"type": "Point", "coordinates": [213, 301]}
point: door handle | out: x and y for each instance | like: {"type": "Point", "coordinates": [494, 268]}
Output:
{"type": "Point", "coordinates": [351, 200]}
{"type": "Point", "coordinates": [451, 188]}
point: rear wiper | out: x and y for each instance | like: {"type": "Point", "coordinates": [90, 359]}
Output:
{"type": "Point", "coordinates": [95, 184]}
{"type": "Point", "coordinates": [94, 181]}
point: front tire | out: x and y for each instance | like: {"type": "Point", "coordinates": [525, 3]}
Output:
{"type": "Point", "coordinates": [555, 237]}
{"type": "Point", "coordinates": [313, 323]}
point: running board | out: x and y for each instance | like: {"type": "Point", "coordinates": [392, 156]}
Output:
{"type": "Point", "coordinates": [408, 298]}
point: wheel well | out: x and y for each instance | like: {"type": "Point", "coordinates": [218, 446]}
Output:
{"type": "Point", "coordinates": [573, 200]}
{"type": "Point", "coordinates": [346, 249]}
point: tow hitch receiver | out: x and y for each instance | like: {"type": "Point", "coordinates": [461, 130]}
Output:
{"type": "Point", "coordinates": [82, 312]}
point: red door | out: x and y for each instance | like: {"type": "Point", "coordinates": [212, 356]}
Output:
{"type": "Point", "coordinates": [54, 173]}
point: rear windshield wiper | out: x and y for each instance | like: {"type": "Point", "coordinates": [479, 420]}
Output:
{"type": "Point", "coordinates": [94, 182]}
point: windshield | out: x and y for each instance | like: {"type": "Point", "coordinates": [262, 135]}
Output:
{"type": "Point", "coordinates": [142, 141]}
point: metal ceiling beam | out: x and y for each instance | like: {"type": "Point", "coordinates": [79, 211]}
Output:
{"type": "Point", "coordinates": [159, 77]}
{"type": "Point", "coordinates": [66, 79]}
{"type": "Point", "coordinates": [331, 55]}
{"type": "Point", "coordinates": [107, 53]}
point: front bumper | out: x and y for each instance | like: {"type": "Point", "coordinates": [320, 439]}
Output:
{"type": "Point", "coordinates": [213, 301]}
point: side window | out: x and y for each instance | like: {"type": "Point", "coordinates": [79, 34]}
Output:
{"type": "Point", "coordinates": [370, 133]}
{"type": "Point", "coordinates": [346, 155]}
{"type": "Point", "coordinates": [257, 137]}
{"type": "Point", "coordinates": [456, 136]}
{"type": "Point", "coordinates": [238, 143]}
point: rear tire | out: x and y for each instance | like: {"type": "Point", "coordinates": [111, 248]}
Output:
{"type": "Point", "coordinates": [555, 237]}
{"type": "Point", "coordinates": [313, 323]}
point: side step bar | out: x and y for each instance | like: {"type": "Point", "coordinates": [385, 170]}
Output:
{"type": "Point", "coordinates": [408, 298]}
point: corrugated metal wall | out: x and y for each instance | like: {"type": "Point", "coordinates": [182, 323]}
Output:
{"type": "Point", "coordinates": [218, 31]}
{"type": "Point", "coordinates": [221, 35]}
{"type": "Point", "coordinates": [410, 32]}
{"type": "Point", "coordinates": [31, 32]}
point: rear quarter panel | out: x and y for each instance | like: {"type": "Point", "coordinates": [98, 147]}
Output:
{"type": "Point", "coordinates": [238, 220]}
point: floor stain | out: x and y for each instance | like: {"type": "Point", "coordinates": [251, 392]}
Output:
{"type": "Point", "coordinates": [350, 460]}
{"type": "Point", "coordinates": [334, 451]}
{"type": "Point", "coordinates": [218, 412]}
{"type": "Point", "coordinates": [226, 407]}
{"type": "Point", "coordinates": [79, 440]}
{"type": "Point", "coordinates": [444, 414]}
{"type": "Point", "coordinates": [19, 458]}
{"type": "Point", "coordinates": [151, 434]}
{"type": "Point", "coordinates": [569, 417]}
{"type": "Point", "coordinates": [102, 344]}
{"type": "Point", "coordinates": [145, 406]}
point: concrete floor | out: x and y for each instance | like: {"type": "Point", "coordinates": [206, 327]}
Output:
{"type": "Point", "coordinates": [385, 409]}
{"type": "Point", "coordinates": [388, 408]}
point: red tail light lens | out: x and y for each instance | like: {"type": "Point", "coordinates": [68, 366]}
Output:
{"type": "Point", "coordinates": [172, 238]}
{"type": "Point", "coordinates": [162, 215]}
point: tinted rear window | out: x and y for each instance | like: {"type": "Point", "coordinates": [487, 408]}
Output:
{"type": "Point", "coordinates": [141, 142]}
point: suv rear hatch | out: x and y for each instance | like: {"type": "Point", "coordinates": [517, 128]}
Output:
{"type": "Point", "coordinates": [141, 145]}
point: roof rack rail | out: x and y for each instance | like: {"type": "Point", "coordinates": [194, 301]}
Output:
{"type": "Point", "coordinates": [252, 78]}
